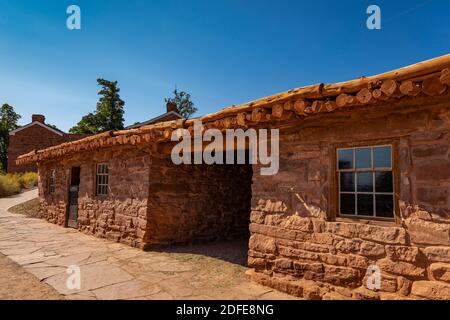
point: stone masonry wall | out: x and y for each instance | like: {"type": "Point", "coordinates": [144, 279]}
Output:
{"type": "Point", "coordinates": [120, 216]}
{"type": "Point", "coordinates": [298, 247]}
{"type": "Point", "coordinates": [197, 202]}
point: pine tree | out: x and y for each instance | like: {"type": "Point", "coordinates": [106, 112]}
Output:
{"type": "Point", "coordinates": [8, 122]}
{"type": "Point", "coordinates": [109, 112]}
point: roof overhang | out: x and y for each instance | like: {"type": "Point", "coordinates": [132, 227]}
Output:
{"type": "Point", "coordinates": [424, 80]}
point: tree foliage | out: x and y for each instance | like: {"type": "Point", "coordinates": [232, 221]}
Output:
{"type": "Point", "coordinates": [109, 112]}
{"type": "Point", "coordinates": [8, 122]}
{"type": "Point", "coordinates": [184, 104]}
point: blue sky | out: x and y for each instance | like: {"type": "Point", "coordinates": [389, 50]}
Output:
{"type": "Point", "coordinates": [223, 52]}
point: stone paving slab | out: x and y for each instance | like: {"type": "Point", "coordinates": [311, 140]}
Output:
{"type": "Point", "coordinates": [115, 271]}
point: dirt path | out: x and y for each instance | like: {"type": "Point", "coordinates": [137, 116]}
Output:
{"type": "Point", "coordinates": [17, 284]}
{"type": "Point", "coordinates": [115, 271]}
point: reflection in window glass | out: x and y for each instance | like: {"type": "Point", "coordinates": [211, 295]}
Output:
{"type": "Point", "coordinates": [382, 157]}
{"type": "Point", "coordinates": [348, 181]}
{"type": "Point", "coordinates": [347, 204]}
{"type": "Point", "coordinates": [363, 158]}
{"type": "Point", "coordinates": [383, 181]}
{"type": "Point", "coordinates": [365, 181]}
{"type": "Point", "coordinates": [384, 205]}
{"type": "Point", "coordinates": [365, 205]}
{"type": "Point", "coordinates": [345, 159]}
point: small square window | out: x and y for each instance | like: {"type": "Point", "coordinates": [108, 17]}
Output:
{"type": "Point", "coordinates": [51, 181]}
{"type": "Point", "coordinates": [101, 188]}
{"type": "Point", "coordinates": [366, 181]}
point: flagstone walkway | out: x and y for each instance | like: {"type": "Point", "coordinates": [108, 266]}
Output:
{"type": "Point", "coordinates": [115, 271]}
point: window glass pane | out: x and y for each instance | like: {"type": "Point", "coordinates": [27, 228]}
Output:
{"type": "Point", "coordinates": [363, 158]}
{"type": "Point", "coordinates": [347, 204]}
{"type": "Point", "coordinates": [348, 181]}
{"type": "Point", "coordinates": [106, 168]}
{"type": "Point", "coordinates": [382, 157]}
{"type": "Point", "coordinates": [364, 181]}
{"type": "Point", "coordinates": [345, 159]}
{"type": "Point", "coordinates": [365, 205]}
{"type": "Point", "coordinates": [384, 205]}
{"type": "Point", "coordinates": [383, 181]}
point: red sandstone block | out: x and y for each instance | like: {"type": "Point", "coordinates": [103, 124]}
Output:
{"type": "Point", "coordinates": [430, 150]}
{"type": "Point", "coordinates": [347, 230]}
{"type": "Point", "coordinates": [389, 235]}
{"type": "Point", "coordinates": [440, 271]}
{"type": "Point", "coordinates": [431, 290]}
{"type": "Point", "coordinates": [342, 276]}
{"type": "Point", "coordinates": [433, 195]}
{"type": "Point", "coordinates": [433, 170]}
{"type": "Point", "coordinates": [427, 232]}
{"type": "Point", "coordinates": [437, 254]}
{"type": "Point", "coordinates": [402, 253]}
{"type": "Point", "coordinates": [401, 268]}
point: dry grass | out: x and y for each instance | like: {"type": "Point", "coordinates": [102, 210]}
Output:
{"type": "Point", "coordinates": [29, 208]}
{"type": "Point", "coordinates": [11, 184]}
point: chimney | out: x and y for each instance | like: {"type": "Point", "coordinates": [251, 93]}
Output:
{"type": "Point", "coordinates": [172, 106]}
{"type": "Point", "coordinates": [38, 117]}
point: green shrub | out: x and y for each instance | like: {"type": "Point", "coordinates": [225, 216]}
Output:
{"type": "Point", "coordinates": [9, 185]}
{"type": "Point", "coordinates": [28, 180]}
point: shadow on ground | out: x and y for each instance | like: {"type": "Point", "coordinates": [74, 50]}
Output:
{"type": "Point", "coordinates": [234, 251]}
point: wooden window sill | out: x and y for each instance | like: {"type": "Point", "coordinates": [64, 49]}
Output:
{"type": "Point", "coordinates": [385, 222]}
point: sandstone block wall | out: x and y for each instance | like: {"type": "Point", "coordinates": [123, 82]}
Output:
{"type": "Point", "coordinates": [298, 246]}
{"type": "Point", "coordinates": [122, 214]}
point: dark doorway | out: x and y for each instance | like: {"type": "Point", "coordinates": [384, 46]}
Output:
{"type": "Point", "coordinates": [72, 216]}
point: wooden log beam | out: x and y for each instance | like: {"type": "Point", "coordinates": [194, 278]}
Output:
{"type": "Point", "coordinates": [364, 96]}
{"type": "Point", "coordinates": [240, 119]}
{"type": "Point", "coordinates": [300, 106]}
{"type": "Point", "coordinates": [288, 105]}
{"type": "Point", "coordinates": [409, 88]}
{"type": "Point", "coordinates": [445, 76]}
{"type": "Point", "coordinates": [390, 88]}
{"type": "Point", "coordinates": [330, 105]}
{"type": "Point", "coordinates": [277, 111]}
{"type": "Point", "coordinates": [379, 95]}
{"type": "Point", "coordinates": [433, 86]}
{"type": "Point", "coordinates": [344, 100]}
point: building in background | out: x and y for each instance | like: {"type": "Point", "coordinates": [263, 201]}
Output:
{"type": "Point", "coordinates": [34, 136]}
{"type": "Point", "coordinates": [171, 114]}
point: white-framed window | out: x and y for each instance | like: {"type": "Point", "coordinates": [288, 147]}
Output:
{"type": "Point", "coordinates": [51, 181]}
{"type": "Point", "coordinates": [101, 184]}
{"type": "Point", "coordinates": [366, 182]}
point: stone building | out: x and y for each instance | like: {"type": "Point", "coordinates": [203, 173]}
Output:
{"type": "Point", "coordinates": [362, 191]}
{"type": "Point", "coordinates": [34, 136]}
